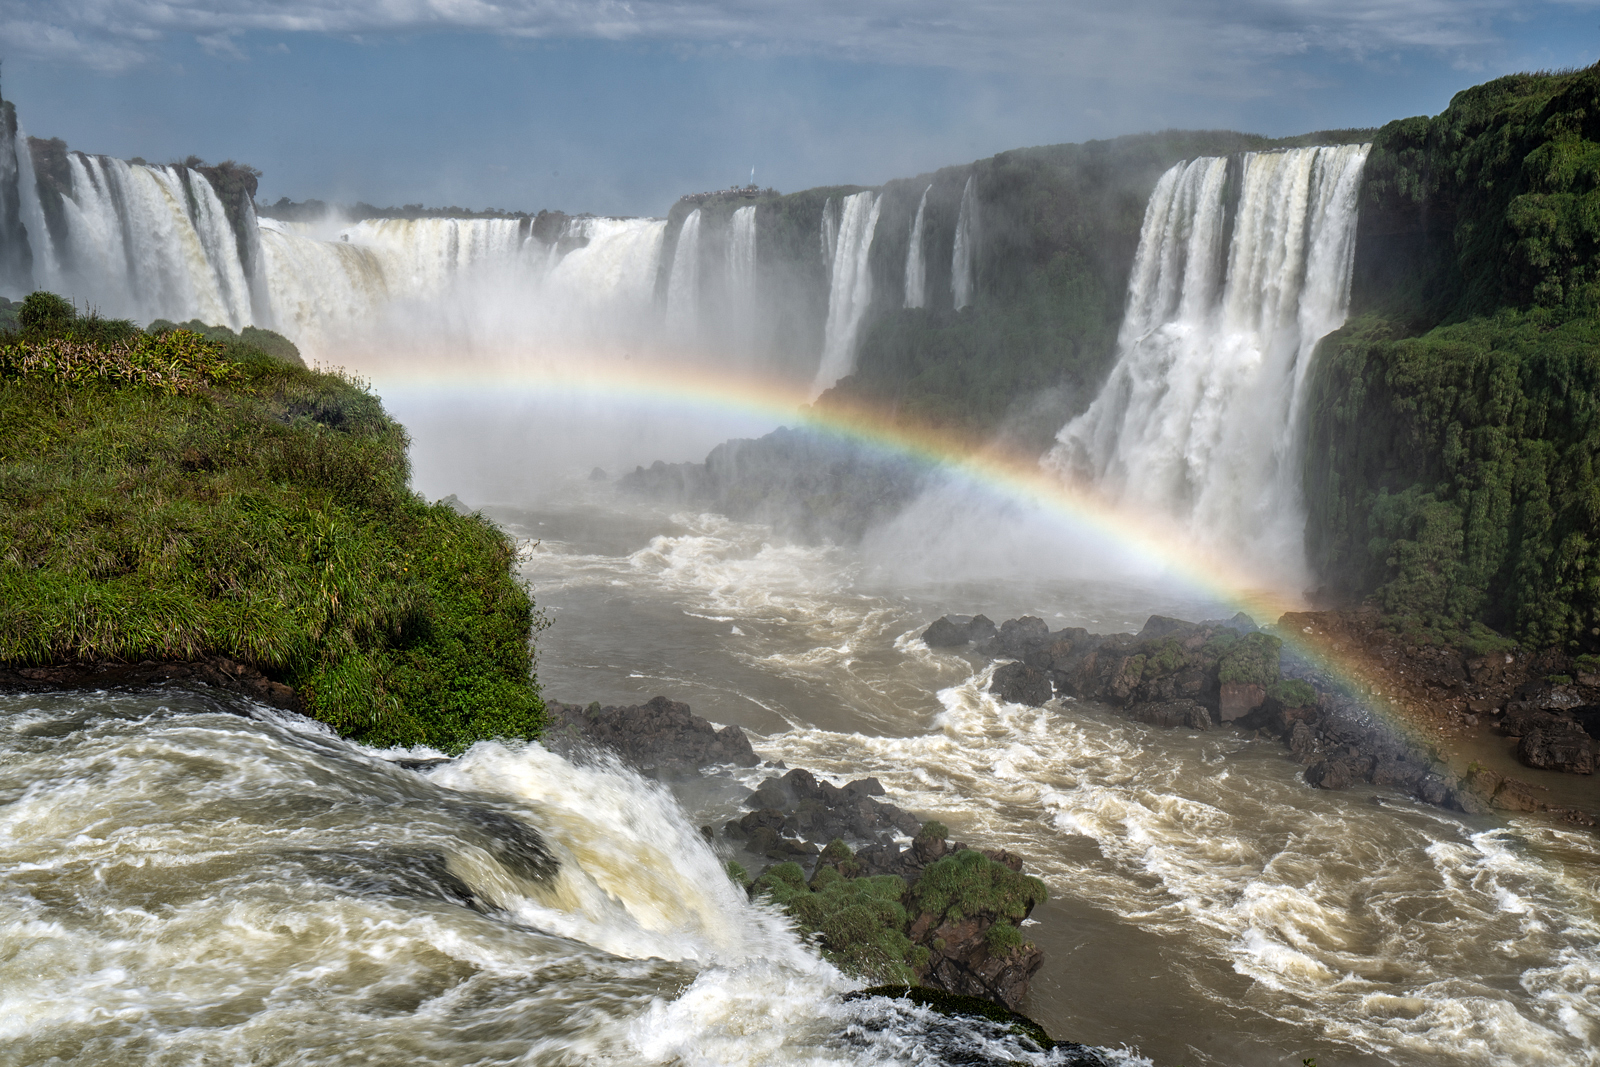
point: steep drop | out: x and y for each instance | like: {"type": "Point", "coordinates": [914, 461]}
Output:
{"type": "Point", "coordinates": [1200, 419]}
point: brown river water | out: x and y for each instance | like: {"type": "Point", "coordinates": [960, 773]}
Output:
{"type": "Point", "coordinates": [190, 880]}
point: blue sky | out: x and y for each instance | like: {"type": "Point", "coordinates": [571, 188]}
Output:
{"type": "Point", "coordinates": [620, 107]}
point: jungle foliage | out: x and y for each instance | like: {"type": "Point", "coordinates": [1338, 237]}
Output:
{"type": "Point", "coordinates": [1451, 463]}
{"type": "Point", "coordinates": [203, 504]}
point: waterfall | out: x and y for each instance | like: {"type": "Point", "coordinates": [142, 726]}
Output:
{"type": "Point", "coordinates": [742, 254]}
{"type": "Point", "coordinates": [142, 242]}
{"type": "Point", "coordinates": [1200, 419]}
{"type": "Point", "coordinates": [424, 256]}
{"type": "Point", "coordinates": [830, 232]}
{"type": "Point", "coordinates": [683, 284]}
{"type": "Point", "coordinates": [850, 293]}
{"type": "Point", "coordinates": [961, 258]}
{"type": "Point", "coordinates": [16, 257]}
{"type": "Point", "coordinates": [916, 269]}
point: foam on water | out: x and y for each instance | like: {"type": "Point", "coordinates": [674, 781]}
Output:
{"type": "Point", "coordinates": [1403, 932]}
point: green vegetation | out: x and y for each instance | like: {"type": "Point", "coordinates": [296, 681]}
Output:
{"type": "Point", "coordinates": [1248, 659]}
{"type": "Point", "coordinates": [1451, 465]}
{"type": "Point", "coordinates": [968, 883]}
{"type": "Point", "coordinates": [1293, 693]}
{"type": "Point", "coordinates": [161, 501]}
{"type": "Point", "coordinates": [243, 347]}
{"type": "Point", "coordinates": [860, 922]}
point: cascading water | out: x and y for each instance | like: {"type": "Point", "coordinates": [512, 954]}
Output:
{"type": "Point", "coordinates": [850, 293]}
{"type": "Point", "coordinates": [829, 232]}
{"type": "Point", "coordinates": [961, 257]}
{"type": "Point", "coordinates": [916, 269]}
{"type": "Point", "coordinates": [149, 242]}
{"type": "Point", "coordinates": [742, 254]}
{"type": "Point", "coordinates": [683, 284]}
{"type": "Point", "coordinates": [1200, 419]}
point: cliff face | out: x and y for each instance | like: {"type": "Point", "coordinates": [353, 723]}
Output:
{"type": "Point", "coordinates": [1453, 434]}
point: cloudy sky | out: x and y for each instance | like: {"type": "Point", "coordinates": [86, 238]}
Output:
{"type": "Point", "coordinates": [619, 107]}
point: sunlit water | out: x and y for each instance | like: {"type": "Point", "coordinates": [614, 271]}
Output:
{"type": "Point", "coordinates": [1207, 905]}
{"type": "Point", "coordinates": [188, 880]}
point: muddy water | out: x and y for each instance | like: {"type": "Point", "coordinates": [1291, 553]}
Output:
{"type": "Point", "coordinates": [1207, 906]}
{"type": "Point", "coordinates": [192, 880]}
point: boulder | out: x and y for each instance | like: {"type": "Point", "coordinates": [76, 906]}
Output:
{"type": "Point", "coordinates": [1238, 700]}
{"type": "Point", "coordinates": [1171, 713]}
{"type": "Point", "coordinates": [802, 807]}
{"type": "Point", "coordinates": [1018, 683]}
{"type": "Point", "coordinates": [660, 734]}
{"type": "Point", "coordinates": [1558, 746]}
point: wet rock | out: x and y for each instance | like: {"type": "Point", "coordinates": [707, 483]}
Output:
{"type": "Point", "coordinates": [1235, 700]}
{"type": "Point", "coordinates": [1329, 774]}
{"type": "Point", "coordinates": [953, 631]}
{"type": "Point", "coordinates": [801, 806]}
{"type": "Point", "coordinates": [1514, 795]}
{"type": "Point", "coordinates": [211, 672]}
{"type": "Point", "coordinates": [1398, 774]}
{"type": "Point", "coordinates": [1558, 746]}
{"type": "Point", "coordinates": [661, 734]}
{"type": "Point", "coordinates": [1019, 683]}
{"type": "Point", "coordinates": [948, 632]}
{"type": "Point", "coordinates": [1018, 637]}
{"type": "Point", "coordinates": [1173, 713]}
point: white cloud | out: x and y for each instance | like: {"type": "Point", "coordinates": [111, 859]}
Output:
{"type": "Point", "coordinates": [1121, 41]}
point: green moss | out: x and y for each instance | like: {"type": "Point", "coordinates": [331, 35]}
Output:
{"type": "Point", "coordinates": [859, 922]}
{"type": "Point", "coordinates": [1164, 658]}
{"type": "Point", "coordinates": [257, 511]}
{"type": "Point", "coordinates": [738, 874]}
{"type": "Point", "coordinates": [969, 883]}
{"type": "Point", "coordinates": [933, 831]}
{"type": "Point", "coordinates": [1454, 475]}
{"type": "Point", "coordinates": [1293, 693]}
{"type": "Point", "coordinates": [1251, 660]}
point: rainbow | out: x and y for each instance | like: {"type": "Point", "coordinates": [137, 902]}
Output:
{"type": "Point", "coordinates": [679, 388]}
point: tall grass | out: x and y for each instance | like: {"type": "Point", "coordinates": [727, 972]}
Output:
{"type": "Point", "coordinates": [259, 511]}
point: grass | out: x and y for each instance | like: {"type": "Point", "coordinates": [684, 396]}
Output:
{"type": "Point", "coordinates": [256, 510]}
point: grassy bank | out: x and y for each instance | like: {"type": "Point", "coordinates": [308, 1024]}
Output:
{"type": "Point", "coordinates": [163, 496]}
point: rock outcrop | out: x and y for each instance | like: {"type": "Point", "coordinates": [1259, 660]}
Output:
{"type": "Point", "coordinates": [936, 914]}
{"type": "Point", "coordinates": [660, 735]}
{"type": "Point", "coordinates": [796, 813]}
{"type": "Point", "coordinates": [216, 672]}
{"type": "Point", "coordinates": [1203, 676]}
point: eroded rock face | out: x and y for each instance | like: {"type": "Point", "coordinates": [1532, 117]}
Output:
{"type": "Point", "coordinates": [802, 813]}
{"type": "Point", "coordinates": [660, 734]}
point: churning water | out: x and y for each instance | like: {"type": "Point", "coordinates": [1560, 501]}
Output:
{"type": "Point", "coordinates": [1208, 907]}
{"type": "Point", "coordinates": [191, 880]}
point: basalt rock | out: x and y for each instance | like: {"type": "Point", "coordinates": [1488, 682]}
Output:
{"type": "Point", "coordinates": [216, 672]}
{"type": "Point", "coordinates": [954, 631]}
{"type": "Point", "coordinates": [797, 806]}
{"type": "Point", "coordinates": [660, 734]}
{"type": "Point", "coordinates": [957, 927]}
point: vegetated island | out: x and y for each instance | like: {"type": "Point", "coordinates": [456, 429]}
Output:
{"type": "Point", "coordinates": [188, 503]}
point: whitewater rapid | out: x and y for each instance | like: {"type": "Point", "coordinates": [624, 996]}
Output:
{"type": "Point", "coordinates": [1208, 907]}
{"type": "Point", "coordinates": [187, 878]}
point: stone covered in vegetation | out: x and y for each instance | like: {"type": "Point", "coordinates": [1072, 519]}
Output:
{"type": "Point", "coordinates": [159, 502]}
{"type": "Point", "coordinates": [940, 915]}
{"type": "Point", "coordinates": [1453, 435]}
